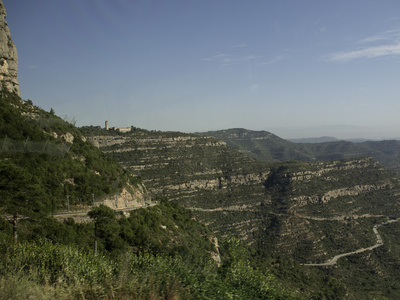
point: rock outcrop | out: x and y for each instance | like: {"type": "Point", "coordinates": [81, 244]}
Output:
{"type": "Point", "coordinates": [8, 56]}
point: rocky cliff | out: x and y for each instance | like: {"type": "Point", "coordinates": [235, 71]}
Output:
{"type": "Point", "coordinates": [8, 56]}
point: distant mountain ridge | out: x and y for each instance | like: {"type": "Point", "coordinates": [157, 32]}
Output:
{"type": "Point", "coordinates": [322, 139]}
{"type": "Point", "coordinates": [266, 146]}
{"type": "Point", "coordinates": [326, 139]}
{"type": "Point", "coordinates": [261, 145]}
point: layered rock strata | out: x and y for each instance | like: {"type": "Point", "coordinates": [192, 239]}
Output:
{"type": "Point", "coordinates": [289, 207]}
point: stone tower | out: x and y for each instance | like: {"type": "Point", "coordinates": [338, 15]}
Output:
{"type": "Point", "coordinates": [8, 56]}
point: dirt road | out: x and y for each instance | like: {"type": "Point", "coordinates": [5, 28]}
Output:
{"type": "Point", "coordinates": [379, 242]}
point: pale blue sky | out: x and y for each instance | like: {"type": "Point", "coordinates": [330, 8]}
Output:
{"type": "Point", "coordinates": [297, 68]}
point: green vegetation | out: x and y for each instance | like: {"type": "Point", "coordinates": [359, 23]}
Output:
{"type": "Point", "coordinates": [44, 160]}
{"type": "Point", "coordinates": [155, 253]}
{"type": "Point", "coordinates": [44, 271]}
{"type": "Point", "coordinates": [373, 274]}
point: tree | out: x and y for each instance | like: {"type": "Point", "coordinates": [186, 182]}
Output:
{"type": "Point", "coordinates": [106, 228]}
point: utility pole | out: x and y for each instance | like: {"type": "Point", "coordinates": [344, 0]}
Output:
{"type": "Point", "coordinates": [45, 145]}
{"type": "Point", "coordinates": [15, 219]}
{"type": "Point", "coordinates": [68, 202]}
{"type": "Point", "coordinates": [95, 237]}
{"type": "Point", "coordinates": [26, 142]}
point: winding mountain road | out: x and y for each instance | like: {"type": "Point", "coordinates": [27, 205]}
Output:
{"type": "Point", "coordinates": [379, 242]}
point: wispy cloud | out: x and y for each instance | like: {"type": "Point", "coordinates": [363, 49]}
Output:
{"type": "Point", "coordinates": [370, 52]}
{"type": "Point", "coordinates": [274, 60]}
{"type": "Point", "coordinates": [227, 58]}
{"type": "Point", "coordinates": [390, 35]}
{"type": "Point", "coordinates": [385, 44]}
{"type": "Point", "coordinates": [222, 58]}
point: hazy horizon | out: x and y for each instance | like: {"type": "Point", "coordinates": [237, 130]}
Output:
{"type": "Point", "coordinates": [341, 132]}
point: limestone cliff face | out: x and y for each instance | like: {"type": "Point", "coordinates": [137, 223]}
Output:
{"type": "Point", "coordinates": [8, 56]}
{"type": "Point", "coordinates": [182, 166]}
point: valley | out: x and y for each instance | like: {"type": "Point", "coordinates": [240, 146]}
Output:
{"type": "Point", "coordinates": [130, 213]}
{"type": "Point", "coordinates": [219, 184]}
{"type": "Point", "coordinates": [304, 211]}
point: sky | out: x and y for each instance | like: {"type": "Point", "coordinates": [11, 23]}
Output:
{"type": "Point", "coordinates": [296, 68]}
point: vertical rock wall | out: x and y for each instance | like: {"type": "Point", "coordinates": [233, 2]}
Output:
{"type": "Point", "coordinates": [8, 56]}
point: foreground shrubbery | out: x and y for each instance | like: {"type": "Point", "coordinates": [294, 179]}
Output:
{"type": "Point", "coordinates": [159, 252]}
{"type": "Point", "coordinates": [43, 270]}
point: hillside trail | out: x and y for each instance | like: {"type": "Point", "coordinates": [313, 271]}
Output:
{"type": "Point", "coordinates": [379, 242]}
{"type": "Point", "coordinates": [82, 215]}
{"type": "Point", "coordinates": [84, 212]}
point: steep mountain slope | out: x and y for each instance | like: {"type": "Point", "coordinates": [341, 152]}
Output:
{"type": "Point", "coordinates": [327, 205]}
{"type": "Point", "coordinates": [266, 146]}
{"type": "Point", "coordinates": [45, 161]}
{"type": "Point", "coordinates": [178, 165]}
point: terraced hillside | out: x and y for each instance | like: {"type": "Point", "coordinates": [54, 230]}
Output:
{"type": "Point", "coordinates": [199, 172]}
{"type": "Point", "coordinates": [292, 205]}
{"type": "Point", "coordinates": [181, 166]}
{"type": "Point", "coordinates": [318, 206]}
